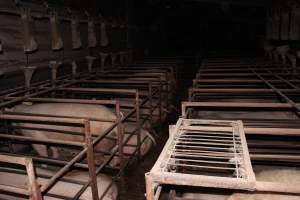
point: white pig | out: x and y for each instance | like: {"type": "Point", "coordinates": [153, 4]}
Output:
{"type": "Point", "coordinates": [71, 110]}
{"type": "Point", "coordinates": [272, 174]}
{"type": "Point", "coordinates": [146, 146]}
{"type": "Point", "coordinates": [288, 176]}
{"type": "Point", "coordinates": [62, 188]}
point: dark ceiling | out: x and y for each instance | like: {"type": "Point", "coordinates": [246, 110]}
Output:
{"type": "Point", "coordinates": [186, 25]}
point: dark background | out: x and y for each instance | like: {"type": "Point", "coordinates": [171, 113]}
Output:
{"type": "Point", "coordinates": [185, 26]}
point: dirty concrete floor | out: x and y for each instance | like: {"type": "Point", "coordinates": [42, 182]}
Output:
{"type": "Point", "coordinates": [135, 173]}
{"type": "Point", "coordinates": [134, 176]}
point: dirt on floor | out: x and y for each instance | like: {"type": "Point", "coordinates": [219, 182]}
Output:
{"type": "Point", "coordinates": [135, 174]}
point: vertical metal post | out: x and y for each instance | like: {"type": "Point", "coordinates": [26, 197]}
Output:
{"type": "Point", "coordinates": [183, 110]}
{"type": "Point", "coordinates": [149, 187]}
{"type": "Point", "coordinates": [120, 141]}
{"type": "Point", "coordinates": [90, 158]}
{"type": "Point", "coordinates": [10, 142]}
{"type": "Point", "coordinates": [34, 188]}
{"type": "Point", "coordinates": [137, 107]}
{"type": "Point", "coordinates": [150, 103]}
{"type": "Point", "coordinates": [190, 94]}
{"type": "Point", "coordinates": [168, 89]}
{"type": "Point", "coordinates": [160, 105]}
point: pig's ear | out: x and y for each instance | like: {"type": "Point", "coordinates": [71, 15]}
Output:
{"type": "Point", "coordinates": [27, 103]}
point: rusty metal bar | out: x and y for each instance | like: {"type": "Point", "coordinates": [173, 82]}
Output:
{"type": "Point", "coordinates": [90, 158]}
{"type": "Point", "coordinates": [33, 190]}
{"type": "Point", "coordinates": [279, 92]}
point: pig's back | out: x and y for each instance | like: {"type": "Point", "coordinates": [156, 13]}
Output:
{"type": "Point", "coordinates": [67, 109]}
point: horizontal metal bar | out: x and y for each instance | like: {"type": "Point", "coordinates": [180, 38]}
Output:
{"type": "Point", "coordinates": [201, 167]}
{"type": "Point", "coordinates": [108, 90]}
{"type": "Point", "coordinates": [42, 119]}
{"type": "Point", "coordinates": [237, 105]}
{"type": "Point", "coordinates": [175, 160]}
{"type": "Point", "coordinates": [179, 139]}
{"type": "Point", "coordinates": [41, 140]}
{"type": "Point", "coordinates": [14, 190]}
{"type": "Point", "coordinates": [202, 147]}
{"type": "Point", "coordinates": [199, 155]}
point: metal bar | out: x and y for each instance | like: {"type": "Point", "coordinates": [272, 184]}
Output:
{"type": "Point", "coordinates": [137, 107]}
{"type": "Point", "coordinates": [110, 90]}
{"type": "Point", "coordinates": [42, 141]}
{"type": "Point", "coordinates": [42, 119]}
{"type": "Point", "coordinates": [34, 188]}
{"type": "Point", "coordinates": [150, 194]}
{"type": "Point", "coordinates": [120, 131]}
{"type": "Point", "coordinates": [277, 91]}
{"type": "Point", "coordinates": [277, 187]}
{"type": "Point", "coordinates": [33, 191]}
{"type": "Point", "coordinates": [91, 162]}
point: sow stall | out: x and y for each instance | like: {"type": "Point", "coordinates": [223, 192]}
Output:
{"type": "Point", "coordinates": [51, 122]}
{"type": "Point", "coordinates": [32, 94]}
{"type": "Point", "coordinates": [261, 99]}
{"type": "Point", "coordinates": [86, 88]}
{"type": "Point", "coordinates": [259, 94]}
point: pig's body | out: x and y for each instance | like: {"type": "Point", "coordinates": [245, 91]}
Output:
{"type": "Point", "coordinates": [130, 149]}
{"type": "Point", "coordinates": [145, 135]}
{"type": "Point", "coordinates": [84, 111]}
{"type": "Point", "coordinates": [145, 111]}
{"type": "Point", "coordinates": [71, 110]}
{"type": "Point", "coordinates": [288, 176]}
{"type": "Point", "coordinates": [62, 188]}
{"type": "Point", "coordinates": [271, 174]}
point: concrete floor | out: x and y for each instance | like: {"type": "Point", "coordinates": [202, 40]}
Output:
{"type": "Point", "coordinates": [135, 181]}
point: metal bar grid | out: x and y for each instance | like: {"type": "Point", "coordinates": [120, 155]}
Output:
{"type": "Point", "coordinates": [263, 83]}
{"type": "Point", "coordinates": [88, 150]}
{"type": "Point", "coordinates": [276, 92]}
{"type": "Point", "coordinates": [37, 92]}
{"type": "Point", "coordinates": [102, 90]}
{"type": "Point", "coordinates": [154, 78]}
{"type": "Point", "coordinates": [226, 80]}
{"type": "Point", "coordinates": [88, 145]}
{"type": "Point", "coordinates": [203, 153]}
{"type": "Point", "coordinates": [224, 154]}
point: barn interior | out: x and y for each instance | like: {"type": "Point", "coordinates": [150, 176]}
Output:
{"type": "Point", "coordinates": [152, 99]}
